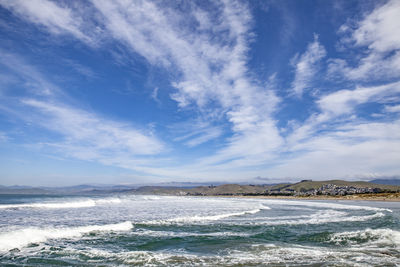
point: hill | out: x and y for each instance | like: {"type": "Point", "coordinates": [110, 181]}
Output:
{"type": "Point", "coordinates": [310, 185]}
{"type": "Point", "coordinates": [305, 187]}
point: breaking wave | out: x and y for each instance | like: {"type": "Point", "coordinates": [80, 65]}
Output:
{"type": "Point", "coordinates": [320, 217]}
{"type": "Point", "coordinates": [257, 255]}
{"type": "Point", "coordinates": [376, 237]}
{"type": "Point", "coordinates": [324, 205]}
{"type": "Point", "coordinates": [62, 205]}
{"type": "Point", "coordinates": [205, 218]}
{"type": "Point", "coordinates": [23, 237]}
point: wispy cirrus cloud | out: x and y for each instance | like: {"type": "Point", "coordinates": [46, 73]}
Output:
{"type": "Point", "coordinates": [306, 66]}
{"type": "Point", "coordinates": [210, 70]}
{"type": "Point", "coordinates": [58, 19]}
{"type": "Point", "coordinates": [210, 73]}
{"type": "Point", "coordinates": [83, 128]}
{"type": "Point", "coordinates": [35, 82]}
{"type": "Point", "coordinates": [79, 133]}
{"type": "Point", "coordinates": [195, 132]}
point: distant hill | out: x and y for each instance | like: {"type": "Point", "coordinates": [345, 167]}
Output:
{"type": "Point", "coordinates": [68, 190]}
{"type": "Point", "coordinates": [225, 189]}
{"type": "Point", "coordinates": [386, 181]}
{"type": "Point", "coordinates": [23, 191]}
{"type": "Point", "coordinates": [285, 188]}
{"type": "Point", "coordinates": [308, 185]}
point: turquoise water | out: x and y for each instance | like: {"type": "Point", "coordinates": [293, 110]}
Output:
{"type": "Point", "coordinates": [123, 230]}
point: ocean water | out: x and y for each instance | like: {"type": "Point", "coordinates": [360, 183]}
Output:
{"type": "Point", "coordinates": [129, 230]}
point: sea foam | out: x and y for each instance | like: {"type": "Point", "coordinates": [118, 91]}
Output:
{"type": "Point", "coordinates": [319, 217]}
{"type": "Point", "coordinates": [376, 237]}
{"type": "Point", "coordinates": [23, 237]}
{"type": "Point", "coordinates": [63, 205]}
{"type": "Point", "coordinates": [323, 205]}
{"type": "Point", "coordinates": [205, 218]}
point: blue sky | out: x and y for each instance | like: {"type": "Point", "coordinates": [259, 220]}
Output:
{"type": "Point", "coordinates": [234, 91]}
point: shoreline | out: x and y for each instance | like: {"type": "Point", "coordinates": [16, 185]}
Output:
{"type": "Point", "coordinates": [385, 197]}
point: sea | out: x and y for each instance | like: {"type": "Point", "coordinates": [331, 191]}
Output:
{"type": "Point", "coordinates": [138, 230]}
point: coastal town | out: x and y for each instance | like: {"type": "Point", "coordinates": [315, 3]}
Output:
{"type": "Point", "coordinates": [328, 190]}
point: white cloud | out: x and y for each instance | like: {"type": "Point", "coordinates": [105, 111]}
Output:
{"type": "Point", "coordinates": [379, 29]}
{"type": "Point", "coordinates": [377, 32]}
{"type": "Point", "coordinates": [212, 71]}
{"type": "Point", "coordinates": [81, 128]}
{"type": "Point", "coordinates": [339, 107]}
{"type": "Point", "coordinates": [351, 150]}
{"type": "Point", "coordinates": [3, 137]}
{"type": "Point", "coordinates": [210, 134]}
{"type": "Point", "coordinates": [345, 101]}
{"type": "Point", "coordinates": [35, 82]}
{"type": "Point", "coordinates": [306, 66]}
{"type": "Point", "coordinates": [56, 18]}
{"type": "Point", "coordinates": [394, 108]}
{"type": "Point", "coordinates": [206, 53]}
{"type": "Point", "coordinates": [195, 132]}
{"type": "Point", "coordinates": [81, 69]}
{"type": "Point", "coordinates": [76, 132]}
{"type": "Point", "coordinates": [154, 95]}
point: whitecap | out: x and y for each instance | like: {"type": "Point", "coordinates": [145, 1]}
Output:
{"type": "Point", "coordinates": [63, 205]}
{"type": "Point", "coordinates": [23, 237]}
{"type": "Point", "coordinates": [323, 205]}
{"type": "Point", "coordinates": [205, 218]}
{"type": "Point", "coordinates": [320, 217]}
{"type": "Point", "coordinates": [152, 233]}
{"type": "Point", "coordinates": [52, 205]}
{"type": "Point", "coordinates": [256, 255]}
{"type": "Point", "coordinates": [375, 237]}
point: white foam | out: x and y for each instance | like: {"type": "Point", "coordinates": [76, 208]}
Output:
{"type": "Point", "coordinates": [320, 217]}
{"type": "Point", "coordinates": [205, 218]}
{"type": "Point", "coordinates": [185, 234]}
{"type": "Point", "coordinates": [256, 255]}
{"type": "Point", "coordinates": [376, 237]}
{"type": "Point", "coordinates": [63, 205]}
{"type": "Point", "coordinates": [150, 197]}
{"type": "Point", "coordinates": [323, 205]}
{"type": "Point", "coordinates": [108, 201]}
{"type": "Point", "coordinates": [198, 218]}
{"type": "Point", "coordinates": [23, 237]}
{"type": "Point", "coordinates": [55, 205]}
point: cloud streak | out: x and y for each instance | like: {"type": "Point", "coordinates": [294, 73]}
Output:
{"type": "Point", "coordinates": [56, 18]}
{"type": "Point", "coordinates": [79, 133]}
{"type": "Point", "coordinates": [306, 66]}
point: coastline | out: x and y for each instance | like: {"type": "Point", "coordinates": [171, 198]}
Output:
{"type": "Point", "coordinates": [385, 197]}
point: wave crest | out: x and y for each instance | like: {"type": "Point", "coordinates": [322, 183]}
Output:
{"type": "Point", "coordinates": [376, 237]}
{"type": "Point", "coordinates": [63, 205]}
{"type": "Point", "coordinates": [23, 237]}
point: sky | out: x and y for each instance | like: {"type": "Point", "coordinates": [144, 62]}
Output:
{"type": "Point", "coordinates": [132, 92]}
